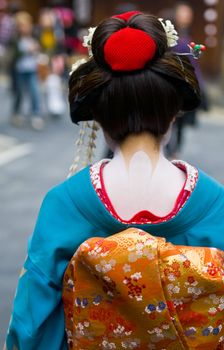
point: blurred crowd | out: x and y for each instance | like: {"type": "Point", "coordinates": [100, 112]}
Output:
{"type": "Point", "coordinates": [37, 57]}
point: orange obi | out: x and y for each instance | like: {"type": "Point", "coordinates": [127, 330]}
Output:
{"type": "Point", "coordinates": [135, 291]}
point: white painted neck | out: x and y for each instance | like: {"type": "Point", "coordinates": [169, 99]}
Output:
{"type": "Point", "coordinates": [139, 178]}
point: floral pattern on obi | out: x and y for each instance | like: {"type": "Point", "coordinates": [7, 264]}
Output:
{"type": "Point", "coordinates": [135, 291]}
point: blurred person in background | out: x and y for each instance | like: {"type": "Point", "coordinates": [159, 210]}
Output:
{"type": "Point", "coordinates": [183, 19]}
{"type": "Point", "coordinates": [66, 17]}
{"type": "Point", "coordinates": [50, 32]}
{"type": "Point", "coordinates": [52, 64]}
{"type": "Point", "coordinates": [25, 64]}
{"type": "Point", "coordinates": [7, 28]}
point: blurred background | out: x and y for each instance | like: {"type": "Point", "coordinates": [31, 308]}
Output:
{"type": "Point", "coordinates": [39, 41]}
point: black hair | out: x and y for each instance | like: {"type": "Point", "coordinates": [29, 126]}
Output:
{"type": "Point", "coordinates": [131, 102]}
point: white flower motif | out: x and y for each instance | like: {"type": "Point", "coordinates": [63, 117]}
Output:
{"type": "Point", "coordinates": [107, 345]}
{"type": "Point", "coordinates": [98, 268]}
{"type": "Point", "coordinates": [80, 328]}
{"type": "Point", "coordinates": [198, 291]}
{"type": "Point", "coordinates": [132, 257]}
{"type": "Point", "coordinates": [119, 330]}
{"type": "Point", "coordinates": [158, 330]}
{"type": "Point", "coordinates": [176, 290]}
{"type": "Point", "coordinates": [165, 326]}
{"type": "Point", "coordinates": [136, 275]}
{"type": "Point", "coordinates": [104, 254]}
{"type": "Point", "coordinates": [107, 279]}
{"type": "Point", "coordinates": [139, 253]}
{"type": "Point", "coordinates": [177, 302]}
{"type": "Point", "coordinates": [221, 339]}
{"type": "Point", "coordinates": [170, 287]}
{"type": "Point", "coordinates": [190, 290]}
{"type": "Point", "coordinates": [171, 277]}
{"type": "Point", "coordinates": [145, 251]}
{"type": "Point", "coordinates": [104, 266]}
{"type": "Point", "coordinates": [171, 33]}
{"type": "Point", "coordinates": [110, 294]}
{"type": "Point", "coordinates": [221, 307]}
{"type": "Point", "coordinates": [79, 325]}
{"type": "Point", "coordinates": [126, 268]}
{"type": "Point", "coordinates": [194, 284]}
{"type": "Point", "coordinates": [148, 253]}
{"type": "Point", "coordinates": [160, 335]}
{"type": "Point", "coordinates": [139, 246]}
{"type": "Point", "coordinates": [125, 281]}
{"type": "Point", "coordinates": [128, 333]}
{"type": "Point", "coordinates": [69, 334]}
{"type": "Point", "coordinates": [212, 311]}
{"type": "Point", "coordinates": [130, 344]}
{"type": "Point", "coordinates": [70, 283]}
{"type": "Point", "coordinates": [87, 40]}
{"type": "Point", "coordinates": [112, 262]}
{"type": "Point", "coordinates": [77, 64]}
{"type": "Point", "coordinates": [150, 256]}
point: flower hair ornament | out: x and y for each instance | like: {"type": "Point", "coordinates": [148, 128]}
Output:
{"type": "Point", "coordinates": [171, 33]}
{"type": "Point", "coordinates": [87, 40]}
{"type": "Point", "coordinates": [77, 64]}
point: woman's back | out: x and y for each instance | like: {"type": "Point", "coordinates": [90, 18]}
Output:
{"type": "Point", "coordinates": [134, 86]}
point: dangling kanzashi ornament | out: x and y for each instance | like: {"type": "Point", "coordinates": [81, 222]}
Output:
{"type": "Point", "coordinates": [196, 49]}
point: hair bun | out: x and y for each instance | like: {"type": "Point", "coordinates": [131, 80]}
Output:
{"type": "Point", "coordinates": [128, 42]}
{"type": "Point", "coordinates": [129, 49]}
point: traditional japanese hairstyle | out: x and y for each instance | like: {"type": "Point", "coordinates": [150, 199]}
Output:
{"type": "Point", "coordinates": [132, 81]}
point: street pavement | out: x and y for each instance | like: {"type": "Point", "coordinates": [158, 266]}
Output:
{"type": "Point", "coordinates": [33, 162]}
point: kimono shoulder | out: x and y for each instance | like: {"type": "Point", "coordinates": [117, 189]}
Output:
{"type": "Point", "coordinates": [61, 227]}
{"type": "Point", "coordinates": [205, 210]}
{"type": "Point", "coordinates": [37, 320]}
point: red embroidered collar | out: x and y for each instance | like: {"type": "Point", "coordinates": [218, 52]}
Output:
{"type": "Point", "coordinates": [144, 217]}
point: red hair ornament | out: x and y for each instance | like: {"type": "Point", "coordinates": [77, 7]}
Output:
{"type": "Point", "coordinates": [127, 15]}
{"type": "Point", "coordinates": [129, 49]}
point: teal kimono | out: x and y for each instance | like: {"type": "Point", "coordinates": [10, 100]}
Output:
{"type": "Point", "coordinates": [71, 213]}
